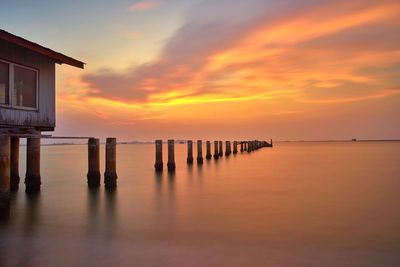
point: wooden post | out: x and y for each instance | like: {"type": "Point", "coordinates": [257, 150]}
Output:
{"type": "Point", "coordinates": [93, 175]}
{"type": "Point", "coordinates": [171, 156]}
{"type": "Point", "coordinates": [208, 155]}
{"type": "Point", "coordinates": [159, 162]}
{"type": "Point", "coordinates": [32, 176]}
{"type": "Point", "coordinates": [4, 177]}
{"type": "Point", "coordinates": [190, 152]}
{"type": "Point", "coordinates": [241, 147]}
{"type": "Point", "coordinates": [199, 152]}
{"type": "Point", "coordinates": [110, 174]}
{"type": "Point", "coordinates": [245, 144]}
{"type": "Point", "coordinates": [249, 147]}
{"type": "Point", "coordinates": [14, 161]}
{"type": "Point", "coordinates": [216, 152]}
{"type": "Point", "coordinates": [235, 150]}
{"type": "Point", "coordinates": [221, 152]}
{"type": "Point", "coordinates": [227, 148]}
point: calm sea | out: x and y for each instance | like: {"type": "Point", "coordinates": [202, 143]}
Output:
{"type": "Point", "coordinates": [297, 204]}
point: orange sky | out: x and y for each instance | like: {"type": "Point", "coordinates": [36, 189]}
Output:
{"type": "Point", "coordinates": [262, 69]}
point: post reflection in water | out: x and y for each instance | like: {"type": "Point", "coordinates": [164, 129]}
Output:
{"type": "Point", "coordinates": [111, 216]}
{"type": "Point", "coordinates": [93, 219]}
{"type": "Point", "coordinates": [165, 202]}
{"type": "Point", "coordinates": [31, 219]}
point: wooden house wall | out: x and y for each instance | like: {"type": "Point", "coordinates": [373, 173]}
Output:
{"type": "Point", "coordinates": [44, 117]}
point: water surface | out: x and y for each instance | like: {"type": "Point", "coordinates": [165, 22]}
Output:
{"type": "Point", "coordinates": [297, 204]}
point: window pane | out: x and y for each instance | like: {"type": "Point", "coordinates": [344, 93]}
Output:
{"type": "Point", "coordinates": [4, 83]}
{"type": "Point", "coordinates": [24, 87]}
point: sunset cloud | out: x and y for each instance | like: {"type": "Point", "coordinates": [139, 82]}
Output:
{"type": "Point", "coordinates": [143, 5]}
{"type": "Point", "coordinates": [291, 52]}
{"type": "Point", "coordinates": [291, 57]}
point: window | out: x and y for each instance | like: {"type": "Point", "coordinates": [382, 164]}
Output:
{"type": "Point", "coordinates": [24, 87]}
{"type": "Point", "coordinates": [20, 83]}
{"type": "Point", "coordinates": [4, 83]}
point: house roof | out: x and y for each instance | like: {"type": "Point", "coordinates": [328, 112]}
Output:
{"type": "Point", "coordinates": [58, 57]}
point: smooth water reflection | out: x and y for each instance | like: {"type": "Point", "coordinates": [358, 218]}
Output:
{"type": "Point", "coordinates": [298, 204]}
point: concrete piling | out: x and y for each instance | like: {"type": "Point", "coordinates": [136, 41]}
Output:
{"type": "Point", "coordinates": [14, 161]}
{"type": "Point", "coordinates": [93, 175]}
{"type": "Point", "coordinates": [208, 155]}
{"type": "Point", "coordinates": [171, 156]}
{"type": "Point", "coordinates": [190, 152]}
{"type": "Point", "coordinates": [110, 174]}
{"type": "Point", "coordinates": [249, 147]}
{"type": "Point", "coordinates": [199, 152]}
{"type": "Point", "coordinates": [216, 152]}
{"type": "Point", "coordinates": [159, 161]}
{"type": "Point", "coordinates": [32, 176]}
{"type": "Point", "coordinates": [220, 150]}
{"type": "Point", "coordinates": [4, 177]}
{"type": "Point", "coordinates": [227, 148]}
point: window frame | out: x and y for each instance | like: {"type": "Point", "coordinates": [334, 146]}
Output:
{"type": "Point", "coordinates": [9, 85]}
{"type": "Point", "coordinates": [10, 104]}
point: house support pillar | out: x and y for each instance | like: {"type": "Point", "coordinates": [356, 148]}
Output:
{"type": "Point", "coordinates": [14, 161]}
{"type": "Point", "coordinates": [4, 177]}
{"type": "Point", "coordinates": [32, 176]}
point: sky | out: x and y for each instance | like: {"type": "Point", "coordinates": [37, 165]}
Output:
{"type": "Point", "coordinates": [226, 69]}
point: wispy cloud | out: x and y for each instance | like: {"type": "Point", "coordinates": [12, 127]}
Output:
{"type": "Point", "coordinates": [143, 5]}
{"type": "Point", "coordinates": [257, 59]}
{"type": "Point", "coordinates": [223, 58]}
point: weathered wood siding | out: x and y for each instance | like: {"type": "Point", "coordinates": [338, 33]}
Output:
{"type": "Point", "coordinates": [44, 117]}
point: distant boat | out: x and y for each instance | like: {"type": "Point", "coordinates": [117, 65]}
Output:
{"type": "Point", "coordinates": [354, 140]}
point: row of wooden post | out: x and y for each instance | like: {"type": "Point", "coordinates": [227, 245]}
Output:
{"type": "Point", "coordinates": [9, 167]}
{"type": "Point", "coordinates": [110, 174]}
{"type": "Point", "coordinates": [248, 146]}
{"type": "Point", "coordinates": [9, 162]}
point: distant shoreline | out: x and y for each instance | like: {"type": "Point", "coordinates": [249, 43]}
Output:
{"type": "Point", "coordinates": [280, 141]}
{"type": "Point", "coordinates": [338, 141]}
